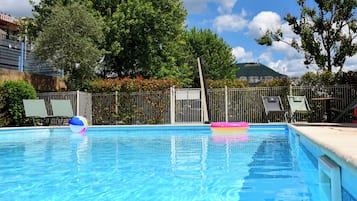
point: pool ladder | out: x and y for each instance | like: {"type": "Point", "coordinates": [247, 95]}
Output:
{"type": "Point", "coordinates": [329, 174]}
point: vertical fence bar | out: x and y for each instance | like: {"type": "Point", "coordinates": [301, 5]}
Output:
{"type": "Point", "coordinates": [202, 110]}
{"type": "Point", "coordinates": [77, 106]}
{"type": "Point", "coordinates": [226, 102]}
{"type": "Point", "coordinates": [172, 104]}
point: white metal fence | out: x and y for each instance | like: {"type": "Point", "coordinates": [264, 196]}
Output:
{"type": "Point", "coordinates": [184, 105]}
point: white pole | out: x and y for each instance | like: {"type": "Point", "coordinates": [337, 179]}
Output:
{"type": "Point", "coordinates": [172, 104]}
{"type": "Point", "coordinates": [202, 107]}
{"type": "Point", "coordinates": [77, 103]}
{"type": "Point", "coordinates": [226, 102]}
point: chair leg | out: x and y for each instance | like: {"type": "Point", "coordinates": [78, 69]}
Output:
{"type": "Point", "coordinates": [47, 121]}
{"type": "Point", "coordinates": [60, 121]}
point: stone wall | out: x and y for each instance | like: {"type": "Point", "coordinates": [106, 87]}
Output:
{"type": "Point", "coordinates": [42, 83]}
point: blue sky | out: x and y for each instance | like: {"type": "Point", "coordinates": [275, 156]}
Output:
{"type": "Point", "coordinates": [238, 22]}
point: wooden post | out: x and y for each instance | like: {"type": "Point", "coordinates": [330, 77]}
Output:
{"type": "Point", "coordinates": [203, 93]}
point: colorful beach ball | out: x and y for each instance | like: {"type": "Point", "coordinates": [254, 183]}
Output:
{"type": "Point", "coordinates": [78, 124]}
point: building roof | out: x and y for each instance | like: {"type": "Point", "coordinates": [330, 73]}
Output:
{"type": "Point", "coordinates": [255, 69]}
{"type": "Point", "coordinates": [8, 23]}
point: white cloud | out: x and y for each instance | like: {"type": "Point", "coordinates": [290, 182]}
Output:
{"type": "Point", "coordinates": [290, 66]}
{"type": "Point", "coordinates": [241, 55]}
{"type": "Point", "coordinates": [16, 8]}
{"type": "Point", "coordinates": [196, 6]}
{"type": "Point", "coordinates": [262, 22]}
{"type": "Point", "coordinates": [351, 64]}
{"type": "Point", "coordinates": [200, 6]}
{"type": "Point", "coordinates": [226, 6]}
{"type": "Point", "coordinates": [286, 49]}
{"type": "Point", "coordinates": [265, 57]}
{"type": "Point", "coordinates": [290, 62]}
{"type": "Point", "coordinates": [232, 23]}
{"type": "Point", "coordinates": [288, 33]}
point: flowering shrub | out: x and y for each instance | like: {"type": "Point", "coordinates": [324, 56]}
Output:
{"type": "Point", "coordinates": [123, 108]}
{"type": "Point", "coordinates": [131, 85]}
{"type": "Point", "coordinates": [211, 84]}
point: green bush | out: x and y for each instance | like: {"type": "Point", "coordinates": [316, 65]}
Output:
{"type": "Point", "coordinates": [11, 106]}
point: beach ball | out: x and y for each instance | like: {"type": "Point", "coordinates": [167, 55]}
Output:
{"type": "Point", "coordinates": [78, 124]}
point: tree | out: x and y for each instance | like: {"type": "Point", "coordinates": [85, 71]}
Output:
{"type": "Point", "coordinates": [142, 37]}
{"type": "Point", "coordinates": [327, 32]}
{"type": "Point", "coordinates": [349, 77]}
{"type": "Point", "coordinates": [219, 62]}
{"type": "Point", "coordinates": [69, 41]}
{"type": "Point", "coordinates": [41, 12]}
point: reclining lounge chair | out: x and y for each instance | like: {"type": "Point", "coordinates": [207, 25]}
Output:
{"type": "Point", "coordinates": [298, 104]}
{"type": "Point", "coordinates": [61, 110]}
{"type": "Point", "coordinates": [36, 109]}
{"type": "Point", "coordinates": [273, 105]}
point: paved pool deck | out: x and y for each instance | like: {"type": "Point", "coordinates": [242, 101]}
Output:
{"type": "Point", "coordinates": [338, 140]}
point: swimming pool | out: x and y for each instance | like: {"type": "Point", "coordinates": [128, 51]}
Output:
{"type": "Point", "coordinates": [155, 163]}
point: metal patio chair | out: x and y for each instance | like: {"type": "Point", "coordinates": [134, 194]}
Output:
{"type": "Point", "coordinates": [61, 110]}
{"type": "Point", "coordinates": [36, 109]}
{"type": "Point", "coordinates": [298, 105]}
{"type": "Point", "coordinates": [273, 105]}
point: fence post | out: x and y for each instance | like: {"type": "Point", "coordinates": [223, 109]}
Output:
{"type": "Point", "coordinates": [172, 104]}
{"type": "Point", "coordinates": [116, 102]}
{"type": "Point", "coordinates": [77, 106]}
{"type": "Point", "coordinates": [226, 102]}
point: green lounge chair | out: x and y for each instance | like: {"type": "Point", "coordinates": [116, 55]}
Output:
{"type": "Point", "coordinates": [298, 104]}
{"type": "Point", "coordinates": [36, 109]}
{"type": "Point", "coordinates": [61, 109]}
{"type": "Point", "coordinates": [273, 104]}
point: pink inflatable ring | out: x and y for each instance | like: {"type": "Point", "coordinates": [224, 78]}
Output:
{"type": "Point", "coordinates": [229, 126]}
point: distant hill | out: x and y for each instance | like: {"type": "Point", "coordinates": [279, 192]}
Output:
{"type": "Point", "coordinates": [256, 69]}
{"type": "Point", "coordinates": [254, 73]}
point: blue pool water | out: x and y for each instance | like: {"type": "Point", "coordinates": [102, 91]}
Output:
{"type": "Point", "coordinates": [154, 163]}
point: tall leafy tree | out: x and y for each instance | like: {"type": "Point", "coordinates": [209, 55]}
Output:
{"type": "Point", "coordinates": [106, 8]}
{"type": "Point", "coordinates": [41, 11]}
{"type": "Point", "coordinates": [69, 41]}
{"type": "Point", "coordinates": [142, 35]}
{"type": "Point", "coordinates": [219, 62]}
{"type": "Point", "coordinates": [327, 32]}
